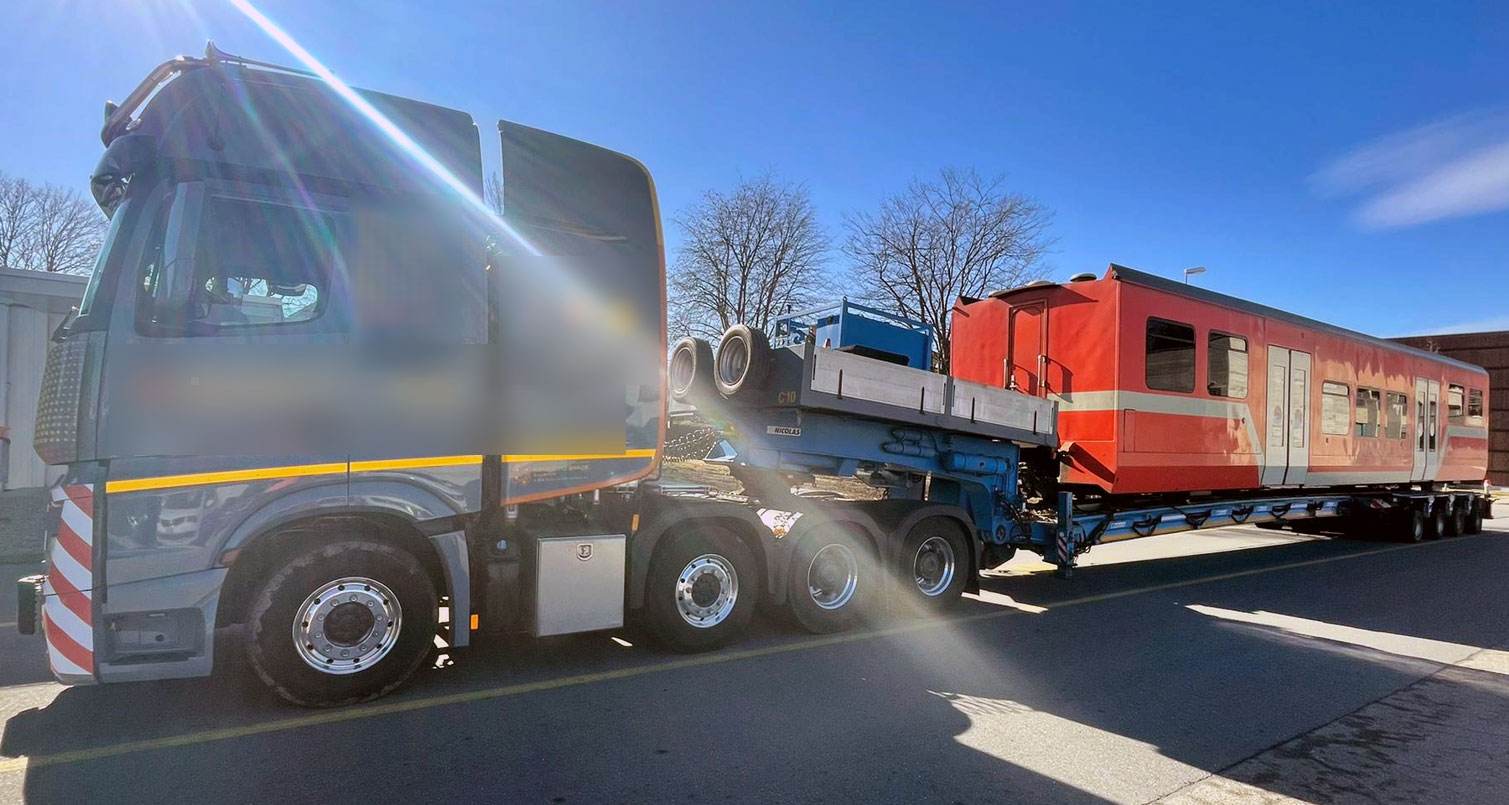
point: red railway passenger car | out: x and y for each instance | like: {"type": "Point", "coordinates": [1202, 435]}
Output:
{"type": "Point", "coordinates": [1164, 387]}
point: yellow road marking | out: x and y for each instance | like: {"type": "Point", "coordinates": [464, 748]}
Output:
{"type": "Point", "coordinates": [11, 765]}
{"type": "Point", "coordinates": [1025, 569]}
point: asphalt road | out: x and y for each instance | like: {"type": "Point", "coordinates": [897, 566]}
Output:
{"type": "Point", "coordinates": [1309, 668]}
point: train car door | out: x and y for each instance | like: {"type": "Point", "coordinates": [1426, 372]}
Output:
{"type": "Point", "coordinates": [1427, 428]}
{"type": "Point", "coordinates": [1286, 458]}
{"type": "Point", "coordinates": [1026, 359]}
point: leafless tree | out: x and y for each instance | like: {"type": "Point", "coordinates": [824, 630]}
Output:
{"type": "Point", "coordinates": [18, 201]}
{"type": "Point", "coordinates": [748, 255]}
{"type": "Point", "coordinates": [47, 228]}
{"type": "Point", "coordinates": [492, 192]}
{"type": "Point", "coordinates": [958, 235]}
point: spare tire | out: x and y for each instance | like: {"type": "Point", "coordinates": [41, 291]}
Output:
{"type": "Point", "coordinates": [691, 370]}
{"type": "Point", "coordinates": [743, 360]}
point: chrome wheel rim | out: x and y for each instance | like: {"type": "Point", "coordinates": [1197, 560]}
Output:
{"type": "Point", "coordinates": [933, 566]}
{"type": "Point", "coordinates": [347, 625]}
{"type": "Point", "coordinates": [706, 590]}
{"type": "Point", "coordinates": [833, 576]}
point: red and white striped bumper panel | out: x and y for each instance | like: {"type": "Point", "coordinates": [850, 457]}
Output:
{"type": "Point", "coordinates": [68, 603]}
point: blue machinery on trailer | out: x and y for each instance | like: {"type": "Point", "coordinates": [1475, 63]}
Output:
{"type": "Point", "coordinates": [814, 425]}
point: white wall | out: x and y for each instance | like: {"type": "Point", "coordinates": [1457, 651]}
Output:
{"type": "Point", "coordinates": [32, 304]}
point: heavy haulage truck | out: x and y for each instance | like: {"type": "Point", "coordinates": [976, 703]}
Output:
{"type": "Point", "coordinates": [318, 388]}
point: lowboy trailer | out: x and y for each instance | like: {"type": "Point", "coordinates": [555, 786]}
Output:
{"type": "Point", "coordinates": [307, 392]}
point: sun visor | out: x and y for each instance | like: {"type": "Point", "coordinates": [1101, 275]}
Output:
{"type": "Point", "coordinates": [232, 119]}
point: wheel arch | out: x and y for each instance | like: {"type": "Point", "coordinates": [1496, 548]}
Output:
{"type": "Point", "coordinates": [672, 516]}
{"type": "Point", "coordinates": [314, 516]}
{"type": "Point", "coordinates": [858, 528]}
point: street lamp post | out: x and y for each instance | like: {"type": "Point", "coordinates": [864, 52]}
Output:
{"type": "Point", "coordinates": [1189, 272]}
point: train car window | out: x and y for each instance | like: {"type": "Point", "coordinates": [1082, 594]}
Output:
{"type": "Point", "coordinates": [1335, 408]}
{"type": "Point", "coordinates": [1475, 404]}
{"type": "Point", "coordinates": [1398, 416]}
{"type": "Point", "coordinates": [1420, 423]}
{"type": "Point", "coordinates": [1455, 408]}
{"type": "Point", "coordinates": [1434, 425]}
{"type": "Point", "coordinates": [1365, 418]}
{"type": "Point", "coordinates": [1226, 366]}
{"type": "Point", "coordinates": [1170, 356]}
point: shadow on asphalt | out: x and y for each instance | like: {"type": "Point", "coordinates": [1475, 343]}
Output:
{"type": "Point", "coordinates": [903, 714]}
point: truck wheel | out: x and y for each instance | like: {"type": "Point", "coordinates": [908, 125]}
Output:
{"type": "Point", "coordinates": [935, 562]}
{"type": "Point", "coordinates": [743, 360]}
{"type": "Point", "coordinates": [342, 623]}
{"type": "Point", "coordinates": [1440, 521]}
{"type": "Point", "coordinates": [1412, 524]}
{"type": "Point", "coordinates": [1458, 524]}
{"type": "Point", "coordinates": [701, 589]}
{"type": "Point", "coordinates": [831, 581]}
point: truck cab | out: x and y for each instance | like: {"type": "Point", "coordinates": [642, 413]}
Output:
{"type": "Point", "coordinates": [310, 351]}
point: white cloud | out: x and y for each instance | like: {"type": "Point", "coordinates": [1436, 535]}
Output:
{"type": "Point", "coordinates": [1489, 325]}
{"type": "Point", "coordinates": [1451, 168]}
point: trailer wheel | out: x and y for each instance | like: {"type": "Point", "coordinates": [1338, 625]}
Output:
{"type": "Point", "coordinates": [743, 360]}
{"type": "Point", "coordinates": [1440, 520]}
{"type": "Point", "coordinates": [701, 589]}
{"type": "Point", "coordinates": [935, 562]}
{"type": "Point", "coordinates": [831, 581]}
{"type": "Point", "coordinates": [1474, 517]}
{"type": "Point", "coordinates": [1413, 524]}
{"type": "Point", "coordinates": [1458, 524]}
{"type": "Point", "coordinates": [691, 370]}
{"type": "Point", "coordinates": [342, 623]}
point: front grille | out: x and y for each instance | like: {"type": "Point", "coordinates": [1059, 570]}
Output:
{"type": "Point", "coordinates": [57, 435]}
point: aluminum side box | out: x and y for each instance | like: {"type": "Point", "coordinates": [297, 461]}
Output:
{"type": "Point", "coordinates": [579, 584]}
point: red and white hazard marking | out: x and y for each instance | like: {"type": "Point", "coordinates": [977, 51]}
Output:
{"type": "Point", "coordinates": [68, 605]}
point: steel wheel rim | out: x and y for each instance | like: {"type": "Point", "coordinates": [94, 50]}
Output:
{"type": "Point", "coordinates": [707, 590]}
{"type": "Point", "coordinates": [347, 625]}
{"type": "Point", "coordinates": [683, 368]}
{"type": "Point", "coordinates": [733, 361]}
{"type": "Point", "coordinates": [933, 566]}
{"type": "Point", "coordinates": [833, 576]}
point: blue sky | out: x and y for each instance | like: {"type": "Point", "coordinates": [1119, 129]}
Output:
{"type": "Point", "coordinates": [1348, 161]}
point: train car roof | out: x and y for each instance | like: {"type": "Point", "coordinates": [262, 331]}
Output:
{"type": "Point", "coordinates": [1135, 277]}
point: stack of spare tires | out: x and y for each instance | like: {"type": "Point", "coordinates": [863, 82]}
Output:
{"type": "Point", "coordinates": [739, 368]}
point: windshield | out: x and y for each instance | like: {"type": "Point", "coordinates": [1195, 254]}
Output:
{"type": "Point", "coordinates": [99, 265]}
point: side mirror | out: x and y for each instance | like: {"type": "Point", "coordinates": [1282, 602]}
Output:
{"type": "Point", "coordinates": [124, 158]}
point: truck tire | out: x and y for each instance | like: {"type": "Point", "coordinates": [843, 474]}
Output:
{"type": "Point", "coordinates": [342, 623]}
{"type": "Point", "coordinates": [1474, 516]}
{"type": "Point", "coordinates": [935, 564]}
{"type": "Point", "coordinates": [1440, 520]}
{"type": "Point", "coordinates": [1458, 524]}
{"type": "Point", "coordinates": [1412, 524]}
{"type": "Point", "coordinates": [743, 360]}
{"type": "Point", "coordinates": [833, 578]}
{"type": "Point", "coordinates": [691, 371]}
{"type": "Point", "coordinates": [701, 589]}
